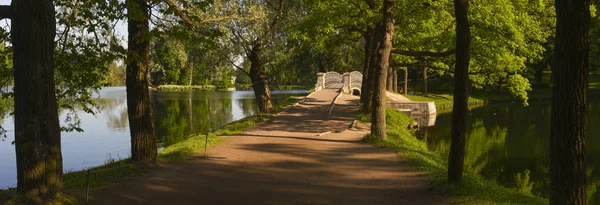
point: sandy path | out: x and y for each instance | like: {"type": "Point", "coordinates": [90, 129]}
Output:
{"type": "Point", "coordinates": [285, 162]}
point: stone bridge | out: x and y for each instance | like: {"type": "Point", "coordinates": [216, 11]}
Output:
{"type": "Point", "coordinates": [351, 83]}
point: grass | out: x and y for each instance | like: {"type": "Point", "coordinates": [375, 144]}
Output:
{"type": "Point", "coordinates": [286, 103]}
{"type": "Point", "coordinates": [473, 189]}
{"type": "Point", "coordinates": [594, 80]}
{"type": "Point", "coordinates": [443, 102]}
{"type": "Point", "coordinates": [188, 147]}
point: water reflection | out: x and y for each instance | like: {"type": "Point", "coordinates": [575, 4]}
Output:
{"type": "Point", "coordinates": [176, 115]}
{"type": "Point", "coordinates": [510, 144]}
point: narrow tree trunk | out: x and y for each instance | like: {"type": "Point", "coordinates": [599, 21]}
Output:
{"type": "Point", "coordinates": [406, 80]}
{"type": "Point", "coordinates": [378, 126]}
{"type": "Point", "coordinates": [425, 83]}
{"type": "Point", "coordinates": [395, 83]}
{"type": "Point", "coordinates": [259, 81]}
{"type": "Point", "coordinates": [143, 142]}
{"type": "Point", "coordinates": [191, 72]}
{"type": "Point", "coordinates": [37, 131]}
{"type": "Point", "coordinates": [366, 90]}
{"type": "Point", "coordinates": [539, 73]}
{"type": "Point", "coordinates": [390, 76]}
{"type": "Point", "coordinates": [461, 96]}
{"type": "Point", "coordinates": [569, 103]}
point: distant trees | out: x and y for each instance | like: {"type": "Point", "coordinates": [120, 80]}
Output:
{"type": "Point", "coordinates": [569, 103]}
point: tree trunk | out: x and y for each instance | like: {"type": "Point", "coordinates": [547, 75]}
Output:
{"type": "Point", "coordinates": [569, 103]}
{"type": "Point", "coordinates": [390, 76]}
{"type": "Point", "coordinates": [366, 90]}
{"type": "Point", "coordinates": [395, 74]}
{"type": "Point", "coordinates": [370, 92]}
{"type": "Point", "coordinates": [461, 96]}
{"type": "Point", "coordinates": [425, 83]}
{"type": "Point", "coordinates": [143, 143]}
{"type": "Point", "coordinates": [378, 126]}
{"type": "Point", "coordinates": [406, 80]}
{"type": "Point", "coordinates": [259, 81]}
{"type": "Point", "coordinates": [37, 129]}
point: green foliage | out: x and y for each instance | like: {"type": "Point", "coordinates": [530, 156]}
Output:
{"type": "Point", "coordinates": [116, 74]}
{"type": "Point", "coordinates": [169, 63]}
{"type": "Point", "coordinates": [523, 183]}
{"type": "Point", "coordinates": [473, 190]}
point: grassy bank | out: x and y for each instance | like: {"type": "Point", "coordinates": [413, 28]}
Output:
{"type": "Point", "coordinates": [187, 88]}
{"type": "Point", "coordinates": [274, 87]}
{"type": "Point", "coordinates": [443, 102]}
{"type": "Point", "coordinates": [473, 190]}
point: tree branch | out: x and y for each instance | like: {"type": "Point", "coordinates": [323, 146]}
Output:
{"type": "Point", "coordinates": [179, 12]}
{"type": "Point", "coordinates": [238, 67]}
{"type": "Point", "coordinates": [423, 53]}
{"type": "Point", "coordinates": [225, 18]}
{"type": "Point", "coordinates": [5, 12]}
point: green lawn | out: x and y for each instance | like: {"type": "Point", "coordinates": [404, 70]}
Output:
{"type": "Point", "coordinates": [473, 190]}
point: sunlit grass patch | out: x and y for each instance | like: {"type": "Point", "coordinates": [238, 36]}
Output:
{"type": "Point", "coordinates": [443, 102]}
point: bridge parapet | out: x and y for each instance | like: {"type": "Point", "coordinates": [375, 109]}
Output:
{"type": "Point", "coordinates": [349, 82]}
{"type": "Point", "coordinates": [423, 112]}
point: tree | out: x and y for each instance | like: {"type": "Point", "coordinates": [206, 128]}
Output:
{"type": "Point", "coordinates": [253, 36]}
{"type": "Point", "coordinates": [461, 95]}
{"type": "Point", "coordinates": [569, 102]}
{"type": "Point", "coordinates": [143, 142]}
{"type": "Point", "coordinates": [383, 56]}
{"type": "Point", "coordinates": [37, 130]}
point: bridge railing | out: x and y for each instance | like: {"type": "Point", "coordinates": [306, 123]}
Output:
{"type": "Point", "coordinates": [347, 81]}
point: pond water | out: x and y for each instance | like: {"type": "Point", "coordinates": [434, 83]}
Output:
{"type": "Point", "coordinates": [510, 144]}
{"type": "Point", "coordinates": [176, 116]}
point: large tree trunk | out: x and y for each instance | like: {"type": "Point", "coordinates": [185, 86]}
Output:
{"type": "Point", "coordinates": [366, 88]}
{"type": "Point", "coordinates": [390, 76]}
{"type": "Point", "coordinates": [37, 130]}
{"type": "Point", "coordinates": [259, 81]}
{"type": "Point", "coordinates": [425, 83]}
{"type": "Point", "coordinates": [461, 95]}
{"type": "Point", "coordinates": [569, 102]}
{"type": "Point", "coordinates": [378, 126]}
{"type": "Point", "coordinates": [143, 142]}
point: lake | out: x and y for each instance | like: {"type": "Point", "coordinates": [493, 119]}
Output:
{"type": "Point", "coordinates": [176, 116]}
{"type": "Point", "coordinates": [510, 144]}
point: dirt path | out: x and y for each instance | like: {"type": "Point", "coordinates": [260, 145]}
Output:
{"type": "Point", "coordinates": [285, 162]}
